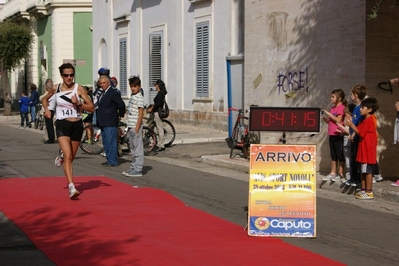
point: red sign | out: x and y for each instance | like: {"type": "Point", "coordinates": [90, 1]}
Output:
{"type": "Point", "coordinates": [284, 119]}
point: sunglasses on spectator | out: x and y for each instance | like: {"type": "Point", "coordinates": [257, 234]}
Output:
{"type": "Point", "coordinates": [68, 75]}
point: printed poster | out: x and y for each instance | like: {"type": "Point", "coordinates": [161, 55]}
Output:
{"type": "Point", "coordinates": [282, 191]}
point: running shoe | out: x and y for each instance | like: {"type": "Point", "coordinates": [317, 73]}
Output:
{"type": "Point", "coordinates": [328, 177]}
{"type": "Point", "coordinates": [363, 195]}
{"type": "Point", "coordinates": [396, 184]}
{"type": "Point", "coordinates": [59, 160]}
{"type": "Point", "coordinates": [73, 193]}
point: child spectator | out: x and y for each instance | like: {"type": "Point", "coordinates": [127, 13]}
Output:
{"type": "Point", "coordinates": [135, 112]}
{"type": "Point", "coordinates": [358, 93]}
{"type": "Point", "coordinates": [335, 115]}
{"type": "Point", "coordinates": [367, 150]}
{"type": "Point", "coordinates": [347, 144]}
{"type": "Point", "coordinates": [24, 103]}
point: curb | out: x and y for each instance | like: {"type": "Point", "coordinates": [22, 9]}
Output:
{"type": "Point", "coordinates": [382, 190]}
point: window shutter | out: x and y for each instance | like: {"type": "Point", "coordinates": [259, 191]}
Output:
{"type": "Point", "coordinates": [202, 60]}
{"type": "Point", "coordinates": [155, 60]}
{"type": "Point", "coordinates": [123, 66]}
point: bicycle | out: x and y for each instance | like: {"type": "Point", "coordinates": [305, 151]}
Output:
{"type": "Point", "coordinates": [241, 137]}
{"type": "Point", "coordinates": [168, 129]}
{"type": "Point", "coordinates": [149, 138]}
{"type": "Point", "coordinates": [95, 145]}
{"type": "Point", "coordinates": [39, 119]}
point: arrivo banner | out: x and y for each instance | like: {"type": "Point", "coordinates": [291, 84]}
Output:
{"type": "Point", "coordinates": [282, 191]}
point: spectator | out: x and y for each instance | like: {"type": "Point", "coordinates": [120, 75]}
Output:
{"type": "Point", "coordinates": [34, 98]}
{"type": "Point", "coordinates": [135, 113]}
{"type": "Point", "coordinates": [114, 81]}
{"type": "Point", "coordinates": [366, 155]}
{"type": "Point", "coordinates": [358, 93]}
{"type": "Point", "coordinates": [24, 103]}
{"type": "Point", "coordinates": [335, 116]}
{"type": "Point", "coordinates": [88, 117]}
{"type": "Point", "coordinates": [159, 101]}
{"type": "Point", "coordinates": [51, 106]}
{"type": "Point", "coordinates": [110, 108]}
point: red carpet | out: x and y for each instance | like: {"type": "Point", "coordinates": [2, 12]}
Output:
{"type": "Point", "coordinates": [113, 223]}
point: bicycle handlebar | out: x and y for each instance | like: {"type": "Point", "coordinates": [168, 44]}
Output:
{"type": "Point", "coordinates": [234, 109]}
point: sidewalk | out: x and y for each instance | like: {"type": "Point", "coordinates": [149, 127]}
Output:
{"type": "Point", "coordinates": [191, 134]}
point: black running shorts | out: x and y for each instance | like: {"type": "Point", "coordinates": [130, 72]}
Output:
{"type": "Point", "coordinates": [65, 128]}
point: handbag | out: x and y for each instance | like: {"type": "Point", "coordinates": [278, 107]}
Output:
{"type": "Point", "coordinates": [163, 112]}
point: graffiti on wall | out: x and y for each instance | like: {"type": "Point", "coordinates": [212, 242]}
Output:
{"type": "Point", "coordinates": [293, 81]}
{"type": "Point", "coordinates": [385, 86]}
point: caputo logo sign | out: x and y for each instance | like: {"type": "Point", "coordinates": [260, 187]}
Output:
{"type": "Point", "coordinates": [262, 223]}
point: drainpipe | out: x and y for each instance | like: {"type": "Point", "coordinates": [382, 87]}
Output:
{"type": "Point", "coordinates": [229, 99]}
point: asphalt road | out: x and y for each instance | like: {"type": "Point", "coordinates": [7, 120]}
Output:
{"type": "Point", "coordinates": [352, 232]}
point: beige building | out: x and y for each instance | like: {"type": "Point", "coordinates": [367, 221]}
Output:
{"type": "Point", "coordinates": [61, 33]}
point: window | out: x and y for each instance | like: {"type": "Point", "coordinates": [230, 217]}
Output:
{"type": "Point", "coordinates": [202, 59]}
{"type": "Point", "coordinates": [155, 60]}
{"type": "Point", "coordinates": [123, 66]}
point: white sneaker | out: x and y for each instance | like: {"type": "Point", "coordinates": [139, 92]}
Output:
{"type": "Point", "coordinates": [336, 178]}
{"type": "Point", "coordinates": [328, 177]}
{"type": "Point", "coordinates": [378, 178]}
{"type": "Point", "coordinates": [59, 160]}
{"type": "Point", "coordinates": [103, 154]}
{"type": "Point", "coordinates": [374, 180]}
{"type": "Point", "coordinates": [73, 193]}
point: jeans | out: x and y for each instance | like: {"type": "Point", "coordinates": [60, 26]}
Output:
{"type": "Point", "coordinates": [161, 136]}
{"type": "Point", "coordinates": [32, 114]}
{"type": "Point", "coordinates": [24, 116]}
{"type": "Point", "coordinates": [136, 147]}
{"type": "Point", "coordinates": [110, 144]}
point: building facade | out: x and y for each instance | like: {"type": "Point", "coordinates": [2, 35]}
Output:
{"type": "Point", "coordinates": [185, 43]}
{"type": "Point", "coordinates": [62, 33]}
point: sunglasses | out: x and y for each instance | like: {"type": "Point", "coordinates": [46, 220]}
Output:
{"type": "Point", "coordinates": [68, 75]}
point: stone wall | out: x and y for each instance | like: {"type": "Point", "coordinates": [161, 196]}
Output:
{"type": "Point", "coordinates": [382, 64]}
{"type": "Point", "coordinates": [298, 51]}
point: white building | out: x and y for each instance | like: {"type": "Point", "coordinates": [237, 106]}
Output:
{"type": "Point", "coordinates": [185, 43]}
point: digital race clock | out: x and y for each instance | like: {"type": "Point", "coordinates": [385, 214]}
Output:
{"type": "Point", "coordinates": [284, 119]}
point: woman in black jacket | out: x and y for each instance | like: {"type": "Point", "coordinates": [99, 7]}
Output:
{"type": "Point", "coordinates": [159, 103]}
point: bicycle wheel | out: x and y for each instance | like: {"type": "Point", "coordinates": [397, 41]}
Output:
{"type": "Point", "coordinates": [251, 137]}
{"type": "Point", "coordinates": [123, 137]}
{"type": "Point", "coordinates": [149, 140]}
{"type": "Point", "coordinates": [41, 122]}
{"type": "Point", "coordinates": [36, 122]}
{"type": "Point", "coordinates": [94, 145]}
{"type": "Point", "coordinates": [234, 139]}
{"type": "Point", "coordinates": [169, 132]}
